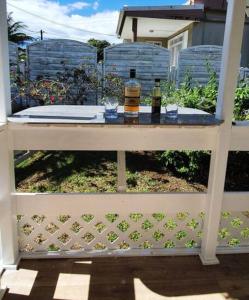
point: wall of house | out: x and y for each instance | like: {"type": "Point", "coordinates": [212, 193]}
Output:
{"type": "Point", "coordinates": [212, 33]}
{"type": "Point", "coordinates": [164, 41]}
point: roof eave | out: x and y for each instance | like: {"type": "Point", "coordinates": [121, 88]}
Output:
{"type": "Point", "coordinates": [190, 12]}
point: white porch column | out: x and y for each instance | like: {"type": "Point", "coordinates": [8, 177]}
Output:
{"type": "Point", "coordinates": [5, 102]}
{"type": "Point", "coordinates": [225, 106]}
{"type": "Point", "coordinates": [8, 235]}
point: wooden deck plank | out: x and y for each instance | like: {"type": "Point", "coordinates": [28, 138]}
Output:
{"type": "Point", "coordinates": [155, 278]}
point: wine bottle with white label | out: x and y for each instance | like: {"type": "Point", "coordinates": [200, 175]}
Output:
{"type": "Point", "coordinates": [132, 95]}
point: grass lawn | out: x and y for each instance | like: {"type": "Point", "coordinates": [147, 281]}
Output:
{"type": "Point", "coordinates": [64, 172]}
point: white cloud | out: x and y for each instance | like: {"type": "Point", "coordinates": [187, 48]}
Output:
{"type": "Point", "coordinates": [100, 22]}
{"type": "Point", "coordinates": [96, 5]}
{"type": "Point", "coordinates": [78, 5]}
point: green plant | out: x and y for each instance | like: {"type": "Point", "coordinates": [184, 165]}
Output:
{"type": "Point", "coordinates": [158, 235]}
{"type": "Point", "coordinates": [53, 247]}
{"type": "Point", "coordinates": [170, 224]}
{"type": "Point", "coordinates": [245, 233]}
{"type": "Point", "coordinates": [241, 107]}
{"type": "Point", "coordinates": [234, 242]}
{"type": "Point", "coordinates": [186, 163]}
{"type": "Point", "coordinates": [146, 245]}
{"type": "Point", "coordinates": [224, 233]}
{"type": "Point", "coordinates": [147, 225]}
{"type": "Point", "coordinates": [123, 226]}
{"type": "Point", "coordinates": [136, 216]}
{"type": "Point", "coordinates": [193, 224]}
{"type": "Point", "coordinates": [236, 223]}
{"type": "Point", "coordinates": [181, 235]}
{"type": "Point", "coordinates": [63, 218]}
{"type": "Point", "coordinates": [15, 31]}
{"type": "Point", "coordinates": [191, 244]}
{"type": "Point", "coordinates": [112, 236]}
{"type": "Point", "coordinates": [135, 236]}
{"type": "Point", "coordinates": [87, 217]}
{"type": "Point", "coordinates": [100, 45]}
{"type": "Point", "coordinates": [169, 244]}
{"type": "Point", "coordinates": [114, 87]}
{"type": "Point", "coordinates": [158, 216]}
{"type": "Point", "coordinates": [112, 217]}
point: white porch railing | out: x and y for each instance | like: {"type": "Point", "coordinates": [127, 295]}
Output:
{"type": "Point", "coordinates": [61, 225]}
{"type": "Point", "coordinates": [140, 219]}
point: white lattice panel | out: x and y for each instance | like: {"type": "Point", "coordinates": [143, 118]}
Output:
{"type": "Point", "coordinates": [109, 232]}
{"type": "Point", "coordinates": [234, 229]}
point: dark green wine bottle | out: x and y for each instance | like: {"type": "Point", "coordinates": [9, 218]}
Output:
{"type": "Point", "coordinates": [156, 98]}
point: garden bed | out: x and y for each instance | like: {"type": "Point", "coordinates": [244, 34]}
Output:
{"type": "Point", "coordinates": [66, 172]}
{"type": "Point", "coordinates": [90, 172]}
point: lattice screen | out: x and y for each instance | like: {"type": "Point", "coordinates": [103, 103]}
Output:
{"type": "Point", "coordinates": [39, 233]}
{"type": "Point", "coordinates": [234, 229]}
{"type": "Point", "coordinates": [109, 232]}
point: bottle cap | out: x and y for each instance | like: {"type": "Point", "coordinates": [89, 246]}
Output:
{"type": "Point", "coordinates": [132, 73]}
{"type": "Point", "coordinates": [157, 80]}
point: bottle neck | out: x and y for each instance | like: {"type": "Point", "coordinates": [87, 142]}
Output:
{"type": "Point", "coordinates": [132, 74]}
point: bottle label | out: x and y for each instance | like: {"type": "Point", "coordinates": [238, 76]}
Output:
{"type": "Point", "coordinates": [132, 92]}
{"type": "Point", "coordinates": [131, 104]}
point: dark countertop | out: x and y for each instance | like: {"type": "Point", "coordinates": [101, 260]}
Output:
{"type": "Point", "coordinates": [90, 115]}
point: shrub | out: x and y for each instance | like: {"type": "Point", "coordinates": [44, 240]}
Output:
{"type": "Point", "coordinates": [187, 164]}
{"type": "Point", "coordinates": [193, 164]}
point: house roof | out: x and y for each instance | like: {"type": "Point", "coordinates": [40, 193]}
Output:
{"type": "Point", "coordinates": [175, 12]}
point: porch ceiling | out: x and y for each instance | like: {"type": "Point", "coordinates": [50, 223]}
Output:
{"type": "Point", "coordinates": [154, 28]}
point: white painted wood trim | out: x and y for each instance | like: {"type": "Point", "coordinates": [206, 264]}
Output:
{"type": "Point", "coordinates": [76, 137]}
{"type": "Point", "coordinates": [124, 203]}
{"type": "Point", "coordinates": [31, 203]}
{"type": "Point", "coordinates": [228, 250]}
{"type": "Point", "coordinates": [112, 253]}
{"type": "Point", "coordinates": [203, 138]}
{"type": "Point", "coordinates": [224, 111]}
{"type": "Point", "coordinates": [121, 162]}
{"type": "Point", "coordinates": [235, 201]}
{"type": "Point", "coordinates": [240, 138]}
{"type": "Point", "coordinates": [8, 230]}
{"type": "Point", "coordinates": [5, 99]}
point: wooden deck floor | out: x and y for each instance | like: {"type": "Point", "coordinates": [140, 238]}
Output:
{"type": "Point", "coordinates": [140, 278]}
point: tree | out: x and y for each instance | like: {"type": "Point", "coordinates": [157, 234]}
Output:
{"type": "Point", "coordinates": [15, 33]}
{"type": "Point", "coordinates": [100, 45]}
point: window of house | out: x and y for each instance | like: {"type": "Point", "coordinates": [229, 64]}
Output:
{"type": "Point", "coordinates": [175, 45]}
{"type": "Point", "coordinates": [156, 43]}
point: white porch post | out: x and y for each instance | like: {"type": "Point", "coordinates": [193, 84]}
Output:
{"type": "Point", "coordinates": [121, 171]}
{"type": "Point", "coordinates": [5, 103]}
{"type": "Point", "coordinates": [8, 236]}
{"type": "Point", "coordinates": [228, 82]}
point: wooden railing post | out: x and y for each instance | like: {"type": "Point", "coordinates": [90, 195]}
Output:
{"type": "Point", "coordinates": [121, 171]}
{"type": "Point", "coordinates": [225, 106]}
{"type": "Point", "coordinates": [8, 234]}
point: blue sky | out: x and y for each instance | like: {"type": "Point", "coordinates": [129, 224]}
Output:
{"type": "Point", "coordinates": [118, 4]}
{"type": "Point", "coordinates": [75, 19]}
